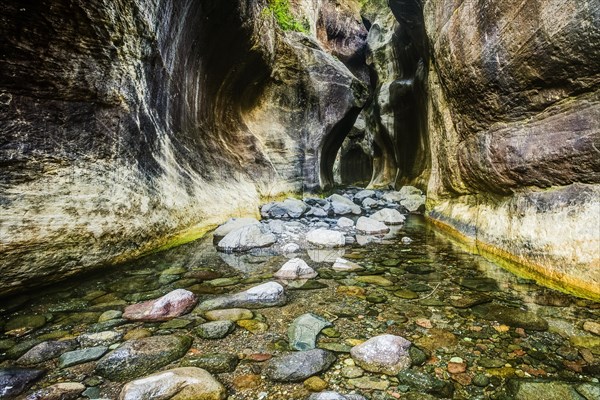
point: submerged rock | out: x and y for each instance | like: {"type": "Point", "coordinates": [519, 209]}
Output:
{"type": "Point", "coordinates": [511, 316]}
{"type": "Point", "coordinates": [231, 314]}
{"type": "Point", "coordinates": [298, 366]}
{"type": "Point", "coordinates": [329, 395]}
{"type": "Point", "coordinates": [14, 381]}
{"type": "Point", "coordinates": [215, 363]}
{"type": "Point", "coordinates": [295, 268]}
{"type": "Point", "coordinates": [75, 357]}
{"type": "Point", "coordinates": [173, 304]}
{"type": "Point", "coordinates": [247, 238]}
{"type": "Point", "coordinates": [270, 294]}
{"type": "Point", "coordinates": [387, 354]}
{"type": "Point", "coordinates": [46, 351]}
{"type": "Point", "coordinates": [371, 226]}
{"type": "Point", "coordinates": [389, 216]}
{"type": "Point", "coordinates": [58, 391]}
{"type": "Point", "coordinates": [304, 330]}
{"type": "Point", "coordinates": [326, 238]}
{"type": "Point", "coordinates": [178, 383]}
{"type": "Point", "coordinates": [533, 389]}
{"type": "Point", "coordinates": [135, 358]}
{"type": "Point", "coordinates": [342, 264]}
{"type": "Point", "coordinates": [215, 329]}
{"type": "Point", "coordinates": [425, 383]}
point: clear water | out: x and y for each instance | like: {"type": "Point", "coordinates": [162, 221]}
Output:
{"type": "Point", "coordinates": [431, 283]}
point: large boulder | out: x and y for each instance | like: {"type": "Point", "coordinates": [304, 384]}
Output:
{"type": "Point", "coordinates": [231, 225]}
{"type": "Point", "coordinates": [371, 226]}
{"type": "Point", "coordinates": [289, 208]}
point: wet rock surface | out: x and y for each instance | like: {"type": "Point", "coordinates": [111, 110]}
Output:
{"type": "Point", "coordinates": [476, 330]}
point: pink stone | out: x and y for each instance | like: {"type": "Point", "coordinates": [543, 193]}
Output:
{"type": "Point", "coordinates": [171, 305]}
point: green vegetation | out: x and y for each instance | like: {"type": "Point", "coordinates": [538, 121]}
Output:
{"type": "Point", "coordinates": [280, 9]}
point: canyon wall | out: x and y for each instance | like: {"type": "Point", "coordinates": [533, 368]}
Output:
{"type": "Point", "coordinates": [129, 125]}
{"type": "Point", "coordinates": [514, 128]}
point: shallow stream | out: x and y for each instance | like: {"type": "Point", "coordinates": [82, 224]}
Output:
{"type": "Point", "coordinates": [482, 332]}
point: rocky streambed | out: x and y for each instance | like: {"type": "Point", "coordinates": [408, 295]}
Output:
{"type": "Point", "coordinates": [350, 297]}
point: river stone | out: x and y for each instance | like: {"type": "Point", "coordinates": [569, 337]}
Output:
{"type": "Point", "coordinates": [173, 304]}
{"type": "Point", "coordinates": [138, 357]}
{"type": "Point", "coordinates": [230, 314]}
{"type": "Point", "coordinates": [110, 315]}
{"type": "Point", "coordinates": [296, 268]}
{"type": "Point", "coordinates": [412, 199]}
{"type": "Point", "coordinates": [175, 384]}
{"type": "Point", "coordinates": [345, 223]}
{"type": "Point", "coordinates": [326, 238]}
{"type": "Point", "coordinates": [329, 395]}
{"type": "Point", "coordinates": [387, 354]}
{"type": "Point", "coordinates": [75, 357]}
{"type": "Point", "coordinates": [105, 338]}
{"type": "Point", "coordinates": [46, 351]}
{"type": "Point", "coordinates": [298, 366]}
{"type": "Point", "coordinates": [364, 194]}
{"type": "Point", "coordinates": [215, 329]}
{"type": "Point", "coordinates": [231, 225]}
{"type": "Point", "coordinates": [534, 389]}
{"type": "Point", "coordinates": [290, 248]}
{"type": "Point", "coordinates": [289, 208]}
{"type": "Point", "coordinates": [591, 326]}
{"type": "Point", "coordinates": [344, 265]}
{"type": "Point", "coordinates": [511, 316]}
{"type": "Point", "coordinates": [479, 284]}
{"type": "Point", "coordinates": [270, 294]}
{"type": "Point", "coordinates": [14, 381]}
{"type": "Point", "coordinates": [425, 383]}
{"type": "Point", "coordinates": [370, 226]}
{"type": "Point", "coordinates": [215, 363]}
{"type": "Point", "coordinates": [58, 391]}
{"type": "Point", "coordinates": [374, 280]}
{"type": "Point", "coordinates": [343, 205]}
{"type": "Point", "coordinates": [369, 383]}
{"type": "Point", "coordinates": [470, 300]}
{"type": "Point", "coordinates": [303, 331]}
{"type": "Point", "coordinates": [247, 238]}
{"type": "Point", "coordinates": [389, 216]}
{"type": "Point", "coordinates": [25, 322]}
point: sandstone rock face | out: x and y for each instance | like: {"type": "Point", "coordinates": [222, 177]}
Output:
{"type": "Point", "coordinates": [514, 125]}
{"type": "Point", "coordinates": [125, 124]}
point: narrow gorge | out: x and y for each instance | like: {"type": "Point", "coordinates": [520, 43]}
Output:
{"type": "Point", "coordinates": [410, 151]}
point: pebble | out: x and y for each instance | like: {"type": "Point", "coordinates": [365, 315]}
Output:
{"type": "Point", "coordinates": [315, 384]}
{"type": "Point", "coordinates": [75, 357]}
{"type": "Point", "coordinates": [215, 329]}
{"type": "Point", "coordinates": [387, 354]}
{"type": "Point", "coordinates": [296, 268]}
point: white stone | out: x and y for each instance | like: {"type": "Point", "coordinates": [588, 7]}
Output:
{"type": "Point", "coordinates": [371, 226]}
{"type": "Point", "coordinates": [246, 238]}
{"type": "Point", "coordinates": [364, 194]}
{"type": "Point", "coordinates": [389, 216]}
{"type": "Point", "coordinates": [296, 268]}
{"type": "Point", "coordinates": [185, 383]}
{"type": "Point", "coordinates": [344, 222]}
{"type": "Point", "coordinates": [392, 197]}
{"type": "Point", "coordinates": [289, 248]}
{"type": "Point", "coordinates": [342, 264]}
{"type": "Point", "coordinates": [406, 240]}
{"type": "Point", "coordinates": [233, 224]}
{"type": "Point", "coordinates": [387, 354]}
{"type": "Point", "coordinates": [369, 203]}
{"type": "Point", "coordinates": [326, 238]}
